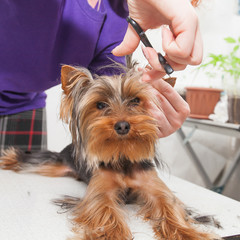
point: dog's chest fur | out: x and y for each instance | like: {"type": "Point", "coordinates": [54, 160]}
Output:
{"type": "Point", "coordinates": [126, 167]}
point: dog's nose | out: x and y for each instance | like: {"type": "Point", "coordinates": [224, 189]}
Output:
{"type": "Point", "coordinates": [122, 127]}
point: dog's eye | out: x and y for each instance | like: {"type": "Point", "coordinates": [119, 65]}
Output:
{"type": "Point", "coordinates": [101, 105]}
{"type": "Point", "coordinates": [135, 101]}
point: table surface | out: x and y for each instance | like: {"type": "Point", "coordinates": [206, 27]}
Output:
{"type": "Point", "coordinates": [229, 129]}
{"type": "Point", "coordinates": [28, 214]}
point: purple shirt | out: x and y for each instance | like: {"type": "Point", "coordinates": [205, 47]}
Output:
{"type": "Point", "coordinates": [38, 36]}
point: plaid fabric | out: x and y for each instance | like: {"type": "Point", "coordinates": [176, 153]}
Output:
{"type": "Point", "coordinates": [25, 130]}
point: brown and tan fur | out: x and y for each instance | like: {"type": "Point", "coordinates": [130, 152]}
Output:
{"type": "Point", "coordinates": [114, 142]}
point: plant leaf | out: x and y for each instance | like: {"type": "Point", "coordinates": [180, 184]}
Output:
{"type": "Point", "coordinates": [230, 40]}
{"type": "Point", "coordinates": [236, 48]}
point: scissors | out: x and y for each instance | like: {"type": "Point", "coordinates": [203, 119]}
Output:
{"type": "Point", "coordinates": [168, 69]}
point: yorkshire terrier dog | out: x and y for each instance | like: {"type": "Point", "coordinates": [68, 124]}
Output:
{"type": "Point", "coordinates": [113, 151]}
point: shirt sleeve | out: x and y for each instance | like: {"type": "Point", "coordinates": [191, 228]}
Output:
{"type": "Point", "coordinates": [111, 35]}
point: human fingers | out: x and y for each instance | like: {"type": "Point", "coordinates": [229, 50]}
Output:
{"type": "Point", "coordinates": [172, 96]}
{"type": "Point", "coordinates": [182, 42]}
{"type": "Point", "coordinates": [152, 75]}
{"type": "Point", "coordinates": [195, 55]}
{"type": "Point", "coordinates": [152, 57]}
{"type": "Point", "coordinates": [168, 119]}
{"type": "Point", "coordinates": [129, 44]}
{"type": "Point", "coordinates": [164, 127]}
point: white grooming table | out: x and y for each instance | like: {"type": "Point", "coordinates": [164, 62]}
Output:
{"type": "Point", "coordinates": [26, 211]}
{"type": "Point", "coordinates": [227, 129]}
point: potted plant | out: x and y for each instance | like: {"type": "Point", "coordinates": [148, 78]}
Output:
{"type": "Point", "coordinates": [228, 65]}
{"type": "Point", "coordinates": [202, 101]}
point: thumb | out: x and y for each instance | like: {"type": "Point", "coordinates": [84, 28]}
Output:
{"type": "Point", "coordinates": [167, 38]}
{"type": "Point", "coordinates": [129, 43]}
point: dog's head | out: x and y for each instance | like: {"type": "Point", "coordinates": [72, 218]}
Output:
{"type": "Point", "coordinates": [108, 116]}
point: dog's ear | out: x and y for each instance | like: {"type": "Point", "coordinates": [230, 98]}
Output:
{"type": "Point", "coordinates": [71, 75]}
{"type": "Point", "coordinates": [65, 75]}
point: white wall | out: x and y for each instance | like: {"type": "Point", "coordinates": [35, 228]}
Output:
{"type": "Point", "coordinates": [218, 19]}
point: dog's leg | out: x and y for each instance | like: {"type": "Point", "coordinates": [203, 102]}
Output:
{"type": "Point", "coordinates": [99, 215]}
{"type": "Point", "coordinates": [165, 212]}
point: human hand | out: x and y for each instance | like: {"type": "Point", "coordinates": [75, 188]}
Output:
{"type": "Point", "coordinates": [171, 110]}
{"type": "Point", "coordinates": [181, 42]}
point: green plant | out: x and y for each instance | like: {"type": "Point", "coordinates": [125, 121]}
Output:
{"type": "Point", "coordinates": [227, 64]}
